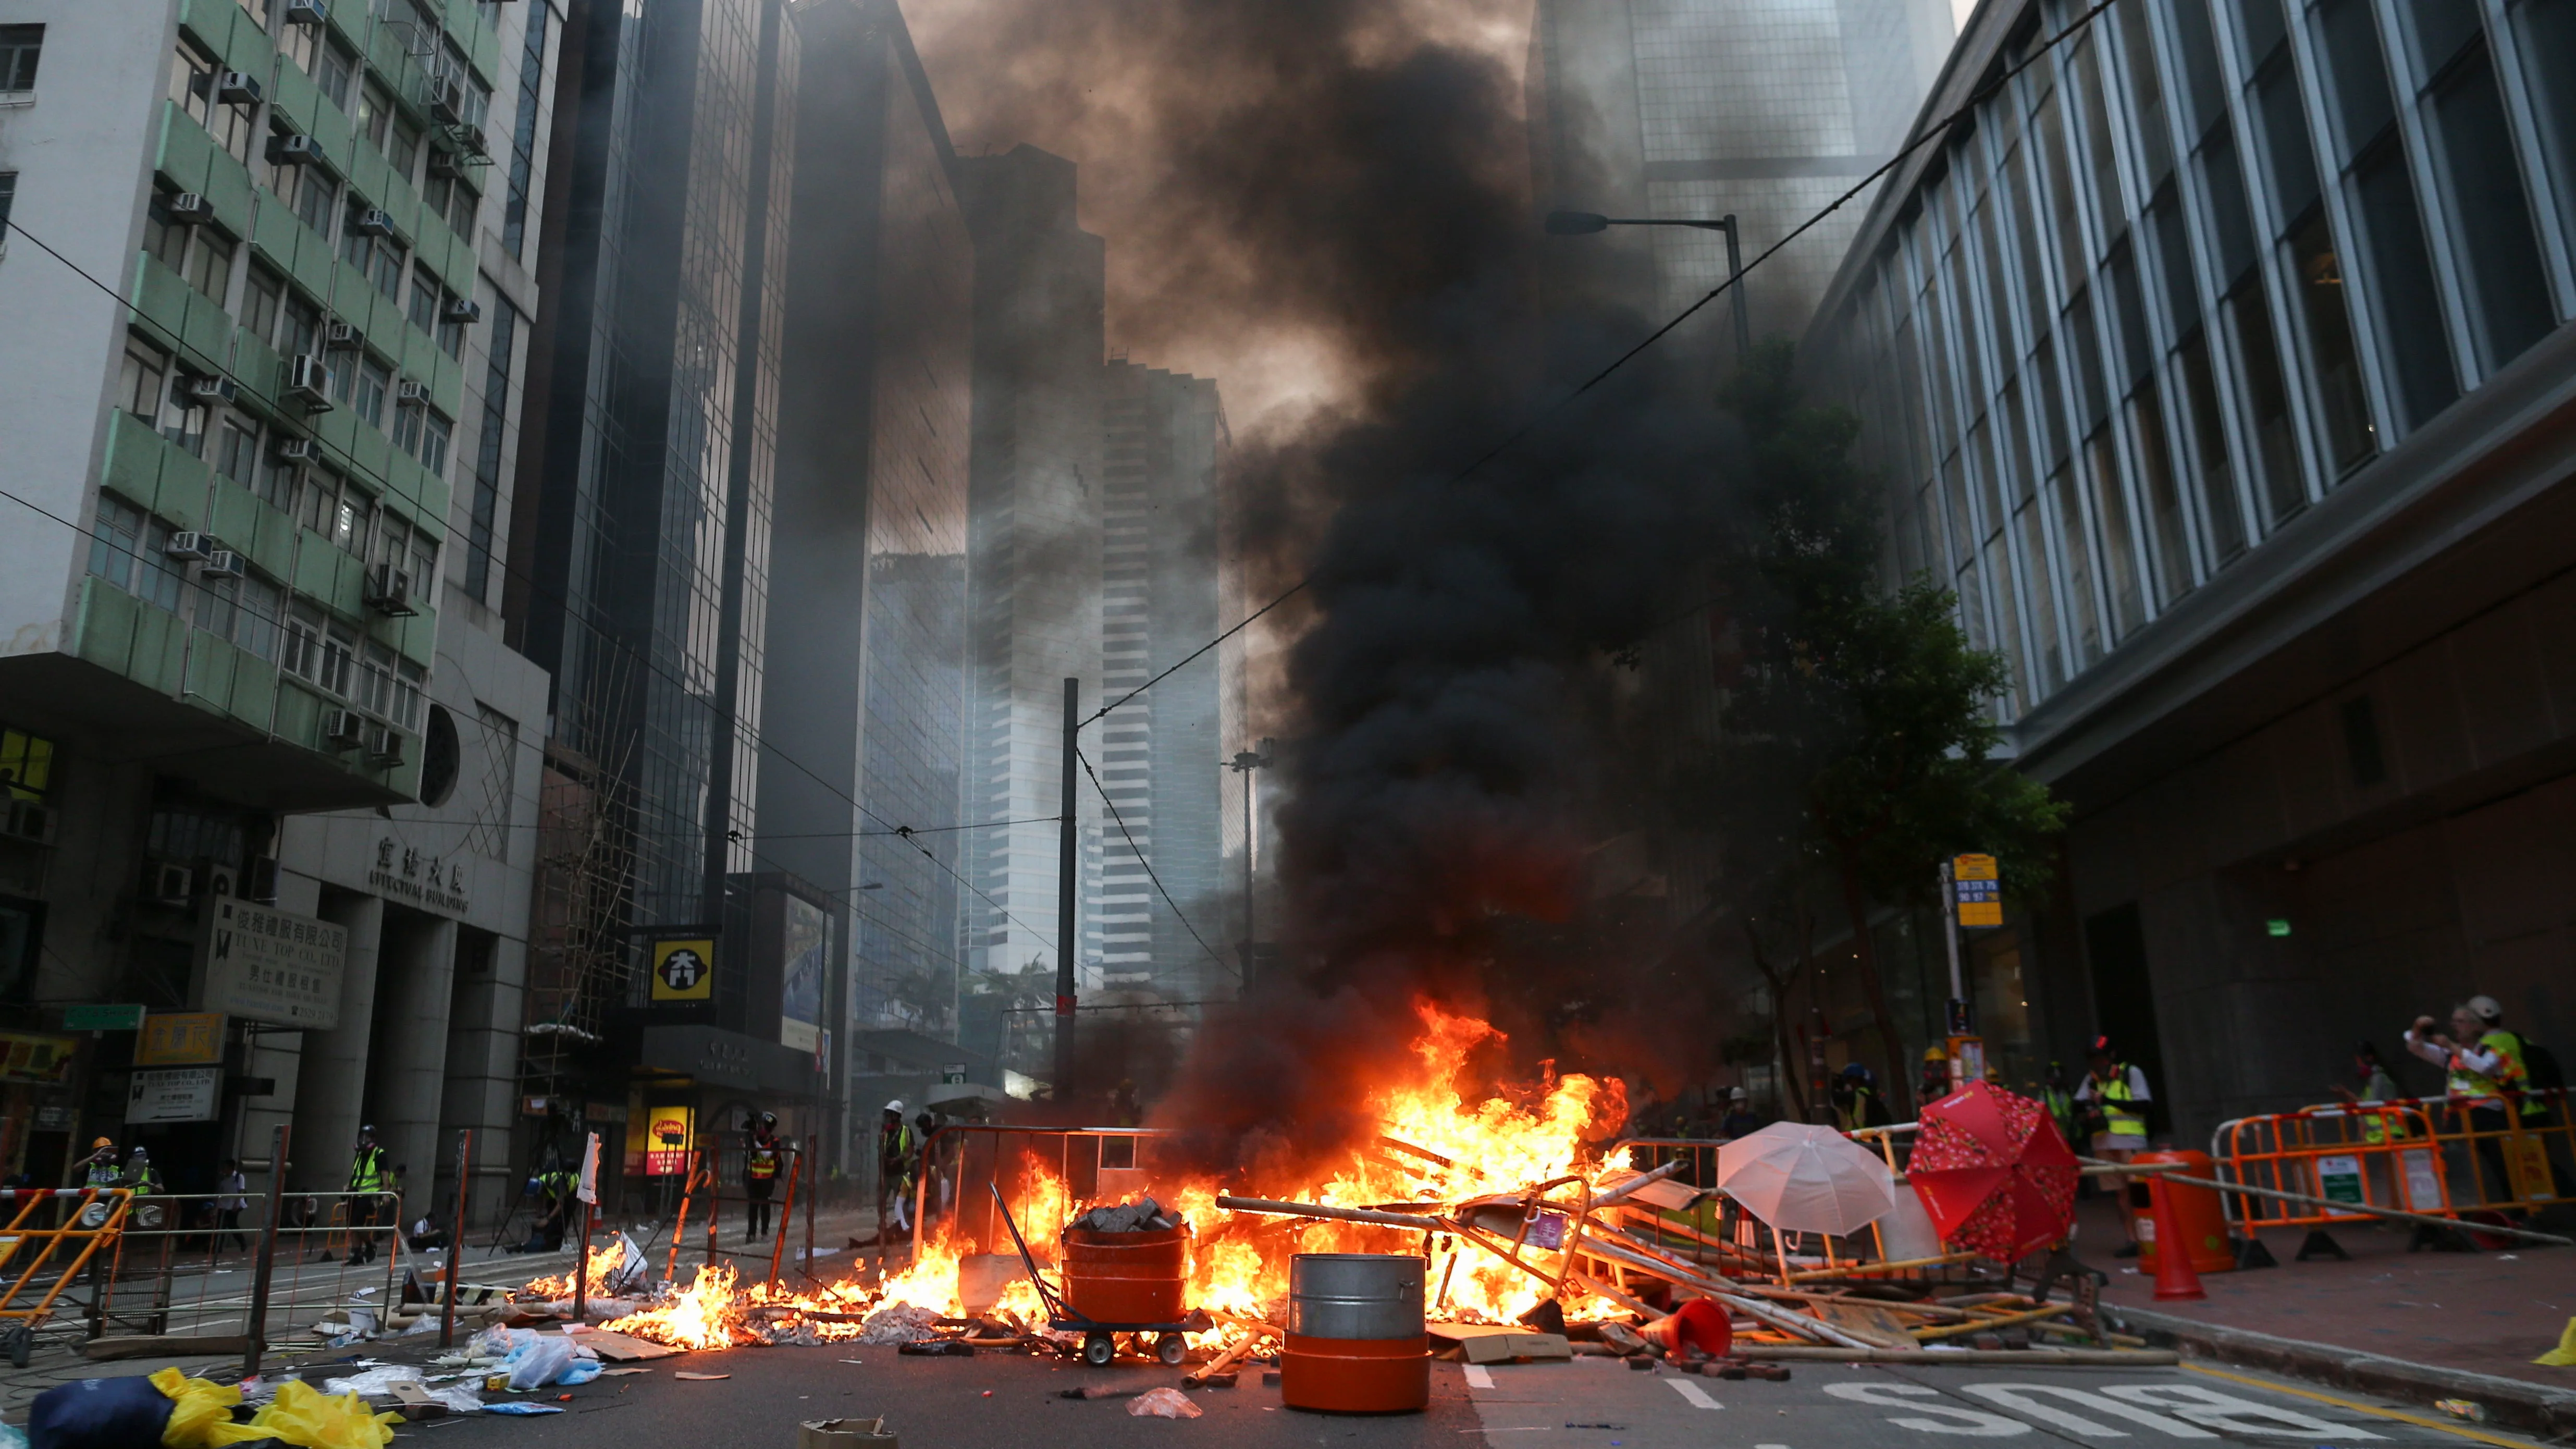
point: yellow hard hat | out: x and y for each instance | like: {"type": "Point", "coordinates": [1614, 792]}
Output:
{"type": "Point", "coordinates": [1935, 1054]}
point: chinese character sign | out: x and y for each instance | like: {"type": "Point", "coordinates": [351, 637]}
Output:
{"type": "Point", "coordinates": [265, 965]}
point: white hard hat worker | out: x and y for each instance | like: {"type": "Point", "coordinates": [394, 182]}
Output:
{"type": "Point", "coordinates": [2486, 1009]}
{"type": "Point", "coordinates": [895, 1106]}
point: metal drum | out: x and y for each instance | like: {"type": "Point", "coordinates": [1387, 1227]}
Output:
{"type": "Point", "coordinates": [1355, 1338]}
{"type": "Point", "coordinates": [1125, 1278]}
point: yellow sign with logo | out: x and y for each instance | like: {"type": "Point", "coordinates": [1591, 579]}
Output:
{"type": "Point", "coordinates": [684, 970]}
{"type": "Point", "coordinates": [1980, 893]}
{"type": "Point", "coordinates": [668, 1135]}
{"type": "Point", "coordinates": [181, 1039]}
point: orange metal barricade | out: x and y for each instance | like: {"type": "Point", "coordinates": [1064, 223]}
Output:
{"type": "Point", "coordinates": [2520, 1157]}
{"type": "Point", "coordinates": [2380, 1155]}
{"type": "Point", "coordinates": [96, 1220]}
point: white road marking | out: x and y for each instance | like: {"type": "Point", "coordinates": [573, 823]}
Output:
{"type": "Point", "coordinates": [2026, 1400]}
{"type": "Point", "coordinates": [1953, 1421]}
{"type": "Point", "coordinates": [2212, 1409]}
{"type": "Point", "coordinates": [1698, 1396]}
{"type": "Point", "coordinates": [1479, 1376]}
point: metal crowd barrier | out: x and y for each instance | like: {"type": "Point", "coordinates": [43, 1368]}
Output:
{"type": "Point", "coordinates": [30, 1244]}
{"type": "Point", "coordinates": [2445, 1156]}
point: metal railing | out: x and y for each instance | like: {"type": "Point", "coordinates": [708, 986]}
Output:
{"type": "Point", "coordinates": [2447, 1156]}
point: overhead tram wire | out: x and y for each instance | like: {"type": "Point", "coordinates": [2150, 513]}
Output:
{"type": "Point", "coordinates": [384, 485]}
{"type": "Point", "coordinates": [1139, 852]}
{"type": "Point", "coordinates": [1935, 132]}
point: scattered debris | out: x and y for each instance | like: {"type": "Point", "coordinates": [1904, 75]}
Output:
{"type": "Point", "coordinates": [1144, 1215]}
{"type": "Point", "coordinates": [696, 1378]}
{"type": "Point", "coordinates": [1163, 1403]}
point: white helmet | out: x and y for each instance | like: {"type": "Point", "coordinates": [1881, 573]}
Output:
{"type": "Point", "coordinates": [895, 1106]}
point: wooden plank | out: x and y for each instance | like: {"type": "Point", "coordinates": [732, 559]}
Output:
{"type": "Point", "coordinates": [618, 1348]}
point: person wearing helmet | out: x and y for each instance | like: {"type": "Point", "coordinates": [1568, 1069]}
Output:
{"type": "Point", "coordinates": [1857, 1102]}
{"type": "Point", "coordinates": [896, 1146]}
{"type": "Point", "coordinates": [2116, 1092]}
{"type": "Point", "coordinates": [102, 1172]}
{"type": "Point", "coordinates": [2483, 1068]}
{"type": "Point", "coordinates": [762, 1156]}
{"type": "Point", "coordinates": [368, 1183]}
{"type": "Point", "coordinates": [1740, 1119]}
{"type": "Point", "coordinates": [1935, 1081]}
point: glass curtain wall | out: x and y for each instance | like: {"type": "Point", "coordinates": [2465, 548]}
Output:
{"type": "Point", "coordinates": [2177, 282]}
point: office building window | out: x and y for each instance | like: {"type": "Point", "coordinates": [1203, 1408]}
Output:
{"type": "Point", "coordinates": [237, 450]}
{"type": "Point", "coordinates": [192, 89]}
{"type": "Point", "coordinates": [2414, 346]}
{"type": "Point", "coordinates": [523, 131]}
{"type": "Point", "coordinates": [375, 380]}
{"type": "Point", "coordinates": [424, 299]}
{"type": "Point", "coordinates": [2510, 307]}
{"type": "Point", "coordinates": [2547, 30]}
{"type": "Point", "coordinates": [483, 516]}
{"type": "Point", "coordinates": [130, 549]}
{"type": "Point", "coordinates": [21, 46]}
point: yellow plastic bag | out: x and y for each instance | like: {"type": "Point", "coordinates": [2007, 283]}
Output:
{"type": "Point", "coordinates": [301, 1415]}
{"type": "Point", "coordinates": [201, 1413]}
{"type": "Point", "coordinates": [2564, 1355]}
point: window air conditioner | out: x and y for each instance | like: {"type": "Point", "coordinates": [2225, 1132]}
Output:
{"type": "Point", "coordinates": [385, 746]}
{"type": "Point", "coordinates": [222, 563]}
{"type": "Point", "coordinates": [308, 381]}
{"type": "Point", "coordinates": [189, 547]}
{"type": "Point", "coordinates": [389, 590]}
{"type": "Point", "coordinates": [237, 88]}
{"type": "Point", "coordinates": [293, 149]}
{"type": "Point", "coordinates": [340, 336]}
{"type": "Point", "coordinates": [306, 12]}
{"type": "Point", "coordinates": [296, 450]}
{"type": "Point", "coordinates": [461, 309]}
{"type": "Point", "coordinates": [205, 391]}
{"type": "Point", "coordinates": [27, 820]}
{"type": "Point", "coordinates": [446, 100]}
{"type": "Point", "coordinates": [371, 221]}
{"type": "Point", "coordinates": [259, 881]}
{"type": "Point", "coordinates": [343, 729]}
{"type": "Point", "coordinates": [445, 163]}
{"type": "Point", "coordinates": [169, 882]}
{"type": "Point", "coordinates": [469, 139]}
{"type": "Point", "coordinates": [190, 208]}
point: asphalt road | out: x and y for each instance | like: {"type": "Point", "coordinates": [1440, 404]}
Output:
{"type": "Point", "coordinates": [944, 1404]}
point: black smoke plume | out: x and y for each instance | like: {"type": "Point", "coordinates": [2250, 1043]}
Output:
{"type": "Point", "coordinates": [1353, 172]}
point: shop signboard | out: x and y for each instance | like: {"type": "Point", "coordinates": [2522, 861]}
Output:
{"type": "Point", "coordinates": [273, 966]}
{"type": "Point", "coordinates": [174, 1094]}
{"type": "Point", "coordinates": [181, 1039]}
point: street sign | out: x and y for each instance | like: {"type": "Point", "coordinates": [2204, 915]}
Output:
{"type": "Point", "coordinates": [1972, 867]}
{"type": "Point", "coordinates": [103, 1018]}
{"type": "Point", "coordinates": [273, 966]}
{"type": "Point", "coordinates": [670, 1131]}
{"type": "Point", "coordinates": [684, 969]}
{"type": "Point", "coordinates": [178, 1094]}
{"type": "Point", "coordinates": [180, 1039]}
{"type": "Point", "coordinates": [1980, 904]}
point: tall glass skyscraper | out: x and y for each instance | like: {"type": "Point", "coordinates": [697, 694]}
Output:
{"type": "Point", "coordinates": [650, 558]}
{"type": "Point", "coordinates": [1766, 109]}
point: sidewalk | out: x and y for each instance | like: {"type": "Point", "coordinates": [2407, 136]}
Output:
{"type": "Point", "coordinates": [2464, 1325]}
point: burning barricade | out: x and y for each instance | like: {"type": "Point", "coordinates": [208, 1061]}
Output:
{"type": "Point", "coordinates": [1519, 1215]}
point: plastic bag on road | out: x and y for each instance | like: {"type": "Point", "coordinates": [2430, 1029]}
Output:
{"type": "Point", "coordinates": [201, 1413]}
{"type": "Point", "coordinates": [537, 1362]}
{"type": "Point", "coordinates": [302, 1416]}
{"type": "Point", "coordinates": [1163, 1403]}
{"type": "Point", "coordinates": [375, 1383]}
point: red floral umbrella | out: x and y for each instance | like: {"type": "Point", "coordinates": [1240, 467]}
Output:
{"type": "Point", "coordinates": [1994, 1173]}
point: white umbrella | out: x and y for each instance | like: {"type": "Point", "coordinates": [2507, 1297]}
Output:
{"type": "Point", "coordinates": [1806, 1179]}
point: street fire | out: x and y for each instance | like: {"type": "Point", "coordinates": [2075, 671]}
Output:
{"type": "Point", "coordinates": [1435, 1148]}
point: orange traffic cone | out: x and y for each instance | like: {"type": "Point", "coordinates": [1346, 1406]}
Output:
{"type": "Point", "coordinates": [2175, 1277]}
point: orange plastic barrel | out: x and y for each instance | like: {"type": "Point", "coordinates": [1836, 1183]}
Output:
{"type": "Point", "coordinates": [1125, 1277]}
{"type": "Point", "coordinates": [2203, 1222]}
{"type": "Point", "coordinates": [1355, 1341]}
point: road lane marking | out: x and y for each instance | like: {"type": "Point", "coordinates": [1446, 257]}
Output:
{"type": "Point", "coordinates": [1973, 1422]}
{"type": "Point", "coordinates": [1479, 1376]}
{"type": "Point", "coordinates": [2212, 1409]}
{"type": "Point", "coordinates": [2024, 1399]}
{"type": "Point", "coordinates": [1698, 1396]}
{"type": "Point", "coordinates": [2421, 1421]}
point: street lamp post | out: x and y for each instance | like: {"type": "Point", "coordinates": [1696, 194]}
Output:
{"type": "Point", "coordinates": [1585, 223]}
{"type": "Point", "coordinates": [1244, 763]}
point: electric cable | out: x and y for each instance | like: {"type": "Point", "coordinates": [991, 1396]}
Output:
{"type": "Point", "coordinates": [1139, 852]}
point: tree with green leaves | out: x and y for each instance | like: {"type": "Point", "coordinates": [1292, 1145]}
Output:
{"type": "Point", "coordinates": [1864, 733]}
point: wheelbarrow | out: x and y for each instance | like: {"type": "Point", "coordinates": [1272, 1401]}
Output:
{"type": "Point", "coordinates": [1114, 1287]}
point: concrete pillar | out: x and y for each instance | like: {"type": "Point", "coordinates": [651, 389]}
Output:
{"type": "Point", "coordinates": [415, 982]}
{"type": "Point", "coordinates": [483, 1072]}
{"type": "Point", "coordinates": [331, 1083]}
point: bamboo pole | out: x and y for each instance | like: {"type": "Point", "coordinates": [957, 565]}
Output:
{"type": "Point", "coordinates": [1860, 1269]}
{"type": "Point", "coordinates": [1953, 1330]}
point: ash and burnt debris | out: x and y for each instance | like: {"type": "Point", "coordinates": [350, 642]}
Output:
{"type": "Point", "coordinates": [1141, 1216]}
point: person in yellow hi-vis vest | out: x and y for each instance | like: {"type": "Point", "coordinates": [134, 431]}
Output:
{"type": "Point", "coordinates": [762, 1157]}
{"type": "Point", "coordinates": [368, 1183]}
{"type": "Point", "coordinates": [2376, 1087]}
{"type": "Point", "coordinates": [2117, 1092]}
{"type": "Point", "coordinates": [2481, 1063]}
